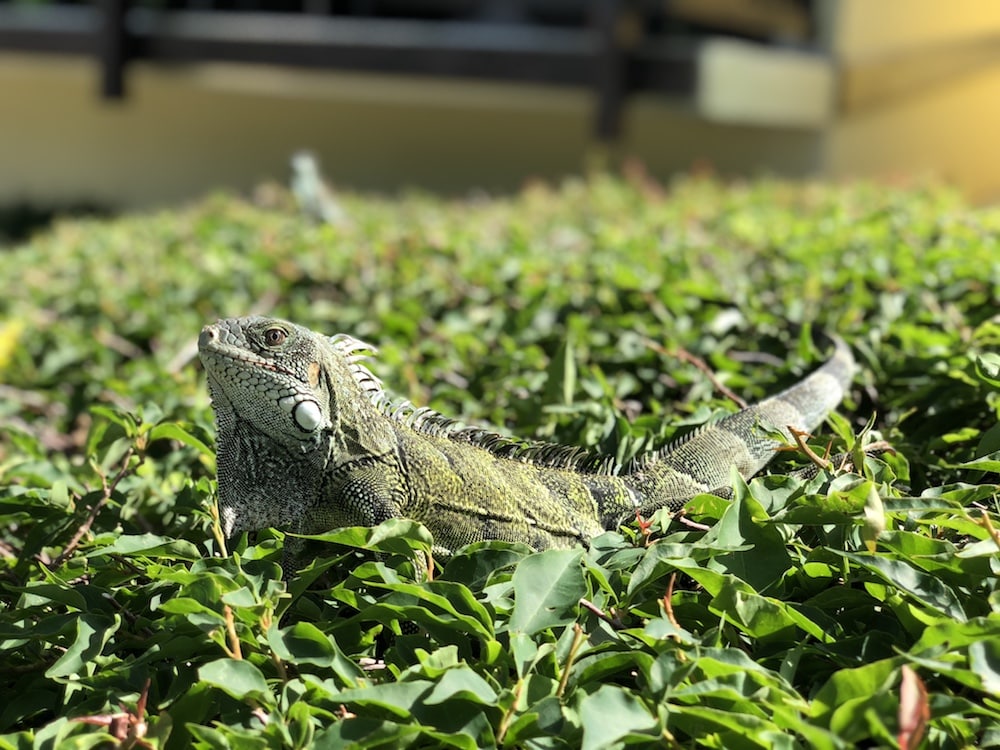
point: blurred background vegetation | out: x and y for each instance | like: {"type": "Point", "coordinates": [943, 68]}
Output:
{"type": "Point", "coordinates": [134, 104]}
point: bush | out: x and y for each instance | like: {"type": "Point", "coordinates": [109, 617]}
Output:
{"type": "Point", "coordinates": [790, 616]}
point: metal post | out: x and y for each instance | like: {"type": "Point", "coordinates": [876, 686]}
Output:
{"type": "Point", "coordinates": [111, 48]}
{"type": "Point", "coordinates": [611, 67]}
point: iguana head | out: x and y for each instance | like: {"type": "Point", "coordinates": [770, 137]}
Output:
{"type": "Point", "coordinates": [272, 391]}
{"type": "Point", "coordinates": [288, 404]}
{"type": "Point", "coordinates": [267, 372]}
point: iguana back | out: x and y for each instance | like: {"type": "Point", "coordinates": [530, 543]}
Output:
{"type": "Point", "coordinates": [310, 441]}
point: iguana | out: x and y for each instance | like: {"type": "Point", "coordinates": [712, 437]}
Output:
{"type": "Point", "coordinates": [309, 441]}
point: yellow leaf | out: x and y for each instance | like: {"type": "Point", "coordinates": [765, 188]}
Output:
{"type": "Point", "coordinates": [10, 333]}
{"type": "Point", "coordinates": [874, 519]}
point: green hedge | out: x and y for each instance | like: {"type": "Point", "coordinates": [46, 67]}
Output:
{"type": "Point", "coordinates": [799, 614]}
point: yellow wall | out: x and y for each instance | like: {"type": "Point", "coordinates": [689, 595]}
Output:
{"type": "Point", "coordinates": [919, 92]}
{"type": "Point", "coordinates": [950, 131]}
{"type": "Point", "coordinates": [916, 88]}
{"type": "Point", "coordinates": [183, 131]}
{"type": "Point", "coordinates": [866, 29]}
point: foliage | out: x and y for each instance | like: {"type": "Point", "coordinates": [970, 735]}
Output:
{"type": "Point", "coordinates": [845, 610]}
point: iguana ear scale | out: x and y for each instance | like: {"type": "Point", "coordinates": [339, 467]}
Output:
{"type": "Point", "coordinates": [307, 416]}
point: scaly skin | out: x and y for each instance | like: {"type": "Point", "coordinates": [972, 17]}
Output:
{"type": "Point", "coordinates": [309, 441]}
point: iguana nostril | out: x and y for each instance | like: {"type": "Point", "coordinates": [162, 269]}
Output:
{"type": "Point", "coordinates": [208, 335]}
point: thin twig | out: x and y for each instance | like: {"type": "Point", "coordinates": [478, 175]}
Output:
{"type": "Point", "coordinates": [986, 523]}
{"type": "Point", "coordinates": [43, 431]}
{"type": "Point", "coordinates": [32, 400]}
{"type": "Point", "coordinates": [710, 374]}
{"type": "Point", "coordinates": [127, 614]}
{"type": "Point", "coordinates": [578, 636]}
{"type": "Point", "coordinates": [107, 489]}
{"type": "Point", "coordinates": [668, 605]}
{"type": "Point", "coordinates": [127, 726]}
{"type": "Point", "coordinates": [684, 520]}
{"type": "Point", "coordinates": [280, 666]}
{"type": "Point", "coordinates": [235, 650]}
{"type": "Point", "coordinates": [220, 538]}
{"type": "Point", "coordinates": [508, 715]}
{"type": "Point", "coordinates": [615, 622]}
{"type": "Point", "coordinates": [429, 566]}
{"type": "Point", "coordinates": [800, 437]}
{"type": "Point", "coordinates": [13, 669]}
{"type": "Point", "coordinates": [343, 713]}
{"type": "Point", "coordinates": [116, 343]}
{"type": "Point", "coordinates": [75, 540]}
{"type": "Point", "coordinates": [685, 355]}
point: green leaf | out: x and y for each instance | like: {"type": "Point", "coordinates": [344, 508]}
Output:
{"type": "Point", "coordinates": [123, 419]}
{"type": "Point", "coordinates": [989, 442]}
{"type": "Point", "coordinates": [400, 535]}
{"type": "Point", "coordinates": [547, 590]}
{"type": "Point", "coordinates": [612, 713]}
{"type": "Point", "coordinates": [851, 685]}
{"type": "Point", "coordinates": [458, 717]}
{"type": "Point", "coordinates": [304, 643]}
{"type": "Point", "coordinates": [37, 593]}
{"type": "Point", "coordinates": [182, 434]}
{"type": "Point", "coordinates": [396, 535]}
{"type": "Point", "coordinates": [149, 545]}
{"type": "Point", "coordinates": [362, 733]}
{"type": "Point", "coordinates": [990, 462]}
{"type": "Point", "coordinates": [927, 589]}
{"type": "Point", "coordinates": [461, 683]}
{"type": "Point", "coordinates": [988, 368]}
{"type": "Point", "coordinates": [947, 633]}
{"type": "Point", "coordinates": [984, 661]}
{"type": "Point", "coordinates": [92, 634]}
{"type": "Point", "coordinates": [475, 564]}
{"type": "Point", "coordinates": [740, 729]}
{"type": "Point", "coordinates": [396, 698]}
{"type": "Point", "coordinates": [237, 678]}
{"type": "Point", "coordinates": [561, 387]}
{"type": "Point", "coordinates": [447, 605]}
{"type": "Point", "coordinates": [759, 616]}
{"type": "Point", "coordinates": [759, 555]}
{"type": "Point", "coordinates": [874, 524]}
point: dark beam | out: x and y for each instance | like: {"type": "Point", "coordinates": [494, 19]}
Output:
{"type": "Point", "coordinates": [609, 68]}
{"type": "Point", "coordinates": [445, 48]}
{"type": "Point", "coordinates": [112, 48]}
{"type": "Point", "coordinates": [48, 29]}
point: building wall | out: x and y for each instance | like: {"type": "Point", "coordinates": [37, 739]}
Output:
{"type": "Point", "coordinates": [919, 92]}
{"type": "Point", "coordinates": [183, 131]}
{"type": "Point", "coordinates": [914, 89]}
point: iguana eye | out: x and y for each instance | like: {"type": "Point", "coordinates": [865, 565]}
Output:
{"type": "Point", "coordinates": [275, 336]}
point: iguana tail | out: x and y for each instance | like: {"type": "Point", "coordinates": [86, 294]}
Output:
{"type": "Point", "coordinates": [703, 461]}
